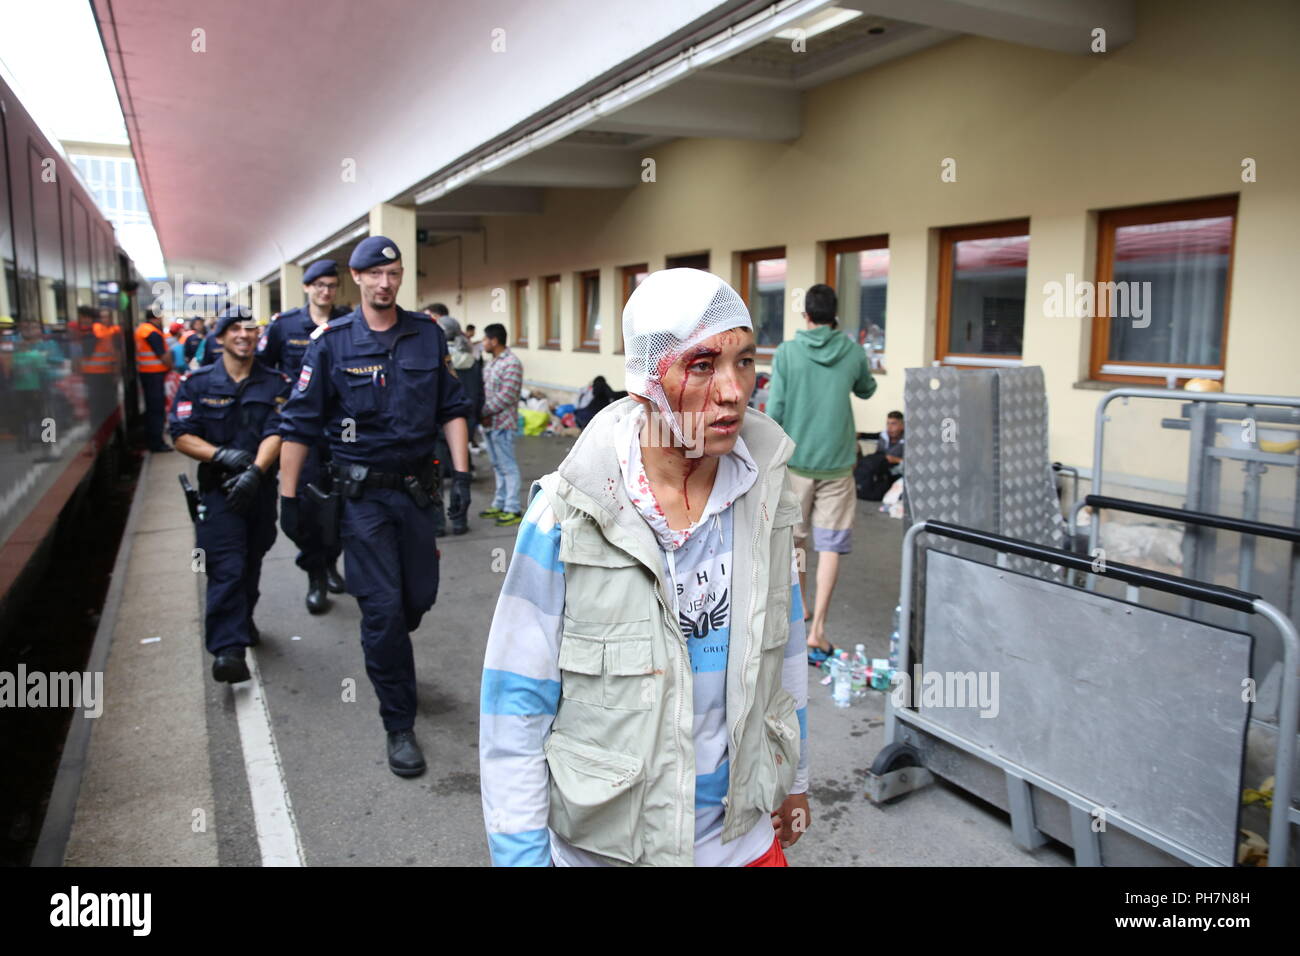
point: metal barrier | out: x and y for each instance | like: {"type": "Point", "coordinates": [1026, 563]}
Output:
{"type": "Point", "coordinates": [1201, 417]}
{"type": "Point", "coordinates": [1176, 789]}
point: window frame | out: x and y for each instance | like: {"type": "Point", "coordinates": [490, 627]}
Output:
{"type": "Point", "coordinates": [625, 274]}
{"type": "Point", "coordinates": [548, 283]}
{"type": "Point", "coordinates": [580, 327]}
{"type": "Point", "coordinates": [949, 236]}
{"type": "Point", "coordinates": [1108, 220]}
{"type": "Point", "coordinates": [838, 247]}
{"type": "Point", "coordinates": [680, 261]}
{"type": "Point", "coordinates": [748, 257]}
{"type": "Point", "coordinates": [519, 317]}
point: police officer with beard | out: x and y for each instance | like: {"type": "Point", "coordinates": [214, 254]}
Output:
{"type": "Point", "coordinates": [282, 347]}
{"type": "Point", "coordinates": [377, 384]}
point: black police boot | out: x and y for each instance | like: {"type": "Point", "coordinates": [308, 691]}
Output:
{"type": "Point", "coordinates": [230, 667]}
{"type": "Point", "coordinates": [333, 580]}
{"type": "Point", "coordinates": [254, 635]}
{"type": "Point", "coordinates": [404, 756]}
{"type": "Point", "coordinates": [317, 602]}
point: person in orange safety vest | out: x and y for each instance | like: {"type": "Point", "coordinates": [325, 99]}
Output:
{"type": "Point", "coordinates": [153, 361]}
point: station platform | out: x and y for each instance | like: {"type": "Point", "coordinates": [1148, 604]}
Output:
{"type": "Point", "coordinates": [285, 770]}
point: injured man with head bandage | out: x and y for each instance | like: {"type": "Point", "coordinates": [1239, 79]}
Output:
{"type": "Point", "coordinates": [644, 690]}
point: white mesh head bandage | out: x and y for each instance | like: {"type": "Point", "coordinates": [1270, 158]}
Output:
{"type": "Point", "coordinates": [670, 312]}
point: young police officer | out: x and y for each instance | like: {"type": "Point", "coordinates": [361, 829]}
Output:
{"type": "Point", "coordinates": [282, 346]}
{"type": "Point", "coordinates": [226, 416]}
{"type": "Point", "coordinates": [377, 384]}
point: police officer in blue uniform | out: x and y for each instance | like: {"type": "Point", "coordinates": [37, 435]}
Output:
{"type": "Point", "coordinates": [376, 384]}
{"type": "Point", "coordinates": [227, 415]}
{"type": "Point", "coordinates": [282, 347]}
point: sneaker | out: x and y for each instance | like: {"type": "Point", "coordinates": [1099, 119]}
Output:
{"type": "Point", "coordinates": [491, 513]}
{"type": "Point", "coordinates": [507, 518]}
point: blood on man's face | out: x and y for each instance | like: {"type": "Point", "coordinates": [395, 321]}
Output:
{"type": "Point", "coordinates": [709, 386]}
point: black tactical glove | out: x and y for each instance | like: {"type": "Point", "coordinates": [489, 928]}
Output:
{"type": "Point", "coordinates": [241, 489]}
{"type": "Point", "coordinates": [458, 508]}
{"type": "Point", "coordinates": [232, 459]}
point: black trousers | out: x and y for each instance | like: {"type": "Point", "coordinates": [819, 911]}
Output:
{"type": "Point", "coordinates": [152, 383]}
{"type": "Point", "coordinates": [392, 570]}
{"type": "Point", "coordinates": [233, 548]}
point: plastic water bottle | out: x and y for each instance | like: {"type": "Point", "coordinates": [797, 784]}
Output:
{"type": "Point", "coordinates": [841, 681]}
{"type": "Point", "coordinates": [893, 641]}
{"type": "Point", "coordinates": [858, 673]}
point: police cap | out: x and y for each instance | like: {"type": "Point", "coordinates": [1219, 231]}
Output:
{"type": "Point", "coordinates": [374, 251]}
{"type": "Point", "coordinates": [236, 313]}
{"type": "Point", "coordinates": [321, 267]}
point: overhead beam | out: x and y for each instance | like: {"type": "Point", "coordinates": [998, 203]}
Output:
{"type": "Point", "coordinates": [705, 106]}
{"type": "Point", "coordinates": [487, 200]}
{"type": "Point", "coordinates": [440, 224]}
{"type": "Point", "coordinates": [565, 165]}
{"type": "Point", "coordinates": [1062, 25]}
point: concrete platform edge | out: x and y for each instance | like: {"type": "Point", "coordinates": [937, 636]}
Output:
{"type": "Point", "coordinates": [62, 808]}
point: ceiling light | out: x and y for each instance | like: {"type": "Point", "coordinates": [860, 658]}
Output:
{"type": "Point", "coordinates": [828, 19]}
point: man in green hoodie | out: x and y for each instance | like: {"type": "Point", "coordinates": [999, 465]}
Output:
{"type": "Point", "coordinates": [812, 377]}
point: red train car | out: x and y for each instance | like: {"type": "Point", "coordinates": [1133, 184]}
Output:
{"type": "Point", "coordinates": [67, 311]}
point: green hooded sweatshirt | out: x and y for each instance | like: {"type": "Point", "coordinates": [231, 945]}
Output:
{"type": "Point", "coordinates": [812, 376]}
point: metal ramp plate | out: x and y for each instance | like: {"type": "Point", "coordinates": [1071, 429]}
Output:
{"type": "Point", "coordinates": [977, 456]}
{"type": "Point", "coordinates": [1137, 711]}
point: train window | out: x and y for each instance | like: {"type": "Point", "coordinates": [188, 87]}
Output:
{"type": "Point", "coordinates": [48, 228]}
{"type": "Point", "coordinates": [23, 302]}
{"type": "Point", "coordinates": [84, 293]}
{"type": "Point", "coordinates": [97, 269]}
{"type": "Point", "coordinates": [9, 278]}
{"type": "Point", "coordinates": [105, 274]}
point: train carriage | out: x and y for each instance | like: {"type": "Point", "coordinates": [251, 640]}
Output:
{"type": "Point", "coordinates": [67, 381]}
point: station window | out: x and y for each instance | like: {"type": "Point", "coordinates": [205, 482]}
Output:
{"type": "Point", "coordinates": [858, 271]}
{"type": "Point", "coordinates": [519, 334]}
{"type": "Point", "coordinates": [551, 312]}
{"type": "Point", "coordinates": [762, 286]}
{"type": "Point", "coordinates": [694, 260]}
{"type": "Point", "coordinates": [589, 310]}
{"type": "Point", "coordinates": [1161, 299]}
{"type": "Point", "coordinates": [982, 272]}
{"type": "Point", "coordinates": [630, 277]}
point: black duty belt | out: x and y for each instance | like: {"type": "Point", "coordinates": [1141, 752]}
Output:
{"type": "Point", "coordinates": [384, 479]}
{"type": "Point", "coordinates": [363, 476]}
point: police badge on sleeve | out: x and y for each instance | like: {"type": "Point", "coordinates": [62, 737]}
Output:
{"type": "Point", "coordinates": [304, 378]}
{"type": "Point", "coordinates": [183, 409]}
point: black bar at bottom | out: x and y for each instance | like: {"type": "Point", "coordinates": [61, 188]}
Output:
{"type": "Point", "coordinates": [1230, 598]}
